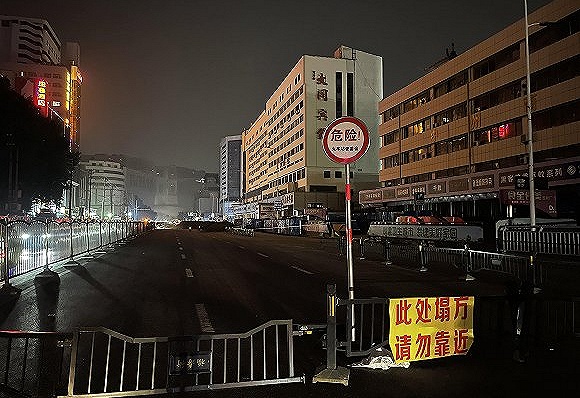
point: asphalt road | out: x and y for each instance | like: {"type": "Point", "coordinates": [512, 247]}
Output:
{"type": "Point", "coordinates": [180, 282]}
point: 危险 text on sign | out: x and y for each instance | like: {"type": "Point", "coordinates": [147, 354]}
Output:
{"type": "Point", "coordinates": [430, 327]}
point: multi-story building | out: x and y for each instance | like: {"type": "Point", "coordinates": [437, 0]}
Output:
{"type": "Point", "coordinates": [102, 193]}
{"type": "Point", "coordinates": [230, 172]}
{"type": "Point", "coordinates": [458, 134]}
{"type": "Point", "coordinates": [28, 41]}
{"type": "Point", "coordinates": [283, 159]}
{"type": "Point", "coordinates": [30, 57]}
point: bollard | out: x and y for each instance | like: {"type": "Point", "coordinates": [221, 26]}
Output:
{"type": "Point", "coordinates": [332, 373]}
{"type": "Point", "coordinates": [422, 257]}
{"type": "Point", "coordinates": [331, 326]}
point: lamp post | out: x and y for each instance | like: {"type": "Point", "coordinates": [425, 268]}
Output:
{"type": "Point", "coordinates": [530, 133]}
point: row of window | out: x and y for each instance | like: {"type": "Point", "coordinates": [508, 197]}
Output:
{"type": "Point", "coordinates": [549, 35]}
{"type": "Point", "coordinates": [285, 106]}
{"type": "Point", "coordinates": [553, 117]}
{"type": "Point", "coordinates": [337, 174]}
{"type": "Point", "coordinates": [497, 133]}
{"type": "Point", "coordinates": [283, 158]}
{"type": "Point", "coordinates": [290, 177]}
{"type": "Point", "coordinates": [557, 73]}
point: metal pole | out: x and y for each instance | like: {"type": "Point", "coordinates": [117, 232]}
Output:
{"type": "Point", "coordinates": [530, 134]}
{"type": "Point", "coordinates": [347, 194]}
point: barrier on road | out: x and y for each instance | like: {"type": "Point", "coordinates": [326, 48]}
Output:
{"type": "Point", "coordinates": [27, 246]}
{"type": "Point", "coordinates": [540, 240]}
{"type": "Point", "coordinates": [548, 322]}
{"type": "Point", "coordinates": [104, 362]}
{"type": "Point", "coordinates": [34, 363]}
{"type": "Point", "coordinates": [523, 268]}
{"type": "Point", "coordinates": [241, 231]}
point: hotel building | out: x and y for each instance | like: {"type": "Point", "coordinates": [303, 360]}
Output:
{"type": "Point", "coordinates": [39, 68]}
{"type": "Point", "coordinates": [283, 160]}
{"type": "Point", "coordinates": [458, 135]}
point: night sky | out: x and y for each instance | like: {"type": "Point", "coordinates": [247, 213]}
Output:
{"type": "Point", "coordinates": [166, 80]}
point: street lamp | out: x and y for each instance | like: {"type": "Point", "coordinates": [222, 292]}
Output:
{"type": "Point", "coordinates": [530, 133]}
{"type": "Point", "coordinates": [530, 138]}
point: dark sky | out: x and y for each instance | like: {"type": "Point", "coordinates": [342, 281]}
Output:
{"type": "Point", "coordinates": [166, 80]}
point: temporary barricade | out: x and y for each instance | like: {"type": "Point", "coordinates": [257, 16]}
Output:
{"type": "Point", "coordinates": [540, 240]}
{"type": "Point", "coordinates": [34, 363]}
{"type": "Point", "coordinates": [27, 246]}
{"type": "Point", "coordinates": [104, 362]}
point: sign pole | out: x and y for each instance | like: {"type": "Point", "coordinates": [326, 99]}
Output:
{"type": "Point", "coordinates": [347, 194]}
{"type": "Point", "coordinates": [344, 141]}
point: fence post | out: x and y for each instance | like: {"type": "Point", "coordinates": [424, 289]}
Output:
{"type": "Point", "coordinates": [71, 262]}
{"type": "Point", "coordinates": [519, 336]}
{"type": "Point", "coordinates": [536, 279]}
{"type": "Point", "coordinates": [387, 252]}
{"type": "Point", "coordinates": [422, 257]}
{"type": "Point", "coordinates": [362, 248]}
{"type": "Point", "coordinates": [7, 289]}
{"type": "Point", "coordinates": [47, 272]}
{"type": "Point", "coordinates": [468, 263]}
{"type": "Point", "coordinates": [332, 373]}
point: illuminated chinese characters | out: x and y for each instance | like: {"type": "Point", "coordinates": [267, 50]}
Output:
{"type": "Point", "coordinates": [40, 96]}
{"type": "Point", "coordinates": [430, 327]}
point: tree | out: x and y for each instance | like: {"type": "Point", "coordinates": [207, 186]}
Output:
{"type": "Point", "coordinates": [40, 146]}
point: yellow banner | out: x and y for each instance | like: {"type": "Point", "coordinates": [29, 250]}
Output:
{"type": "Point", "coordinates": [430, 327]}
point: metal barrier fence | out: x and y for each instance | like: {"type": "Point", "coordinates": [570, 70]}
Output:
{"type": "Point", "coordinates": [104, 362]}
{"type": "Point", "coordinates": [283, 226]}
{"type": "Point", "coordinates": [539, 240]}
{"type": "Point", "coordinates": [241, 231]}
{"type": "Point", "coordinates": [34, 363]}
{"type": "Point", "coordinates": [497, 319]}
{"type": "Point", "coordinates": [27, 246]}
{"type": "Point", "coordinates": [524, 268]}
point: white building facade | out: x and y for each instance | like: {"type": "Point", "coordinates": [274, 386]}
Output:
{"type": "Point", "coordinates": [28, 41]}
{"type": "Point", "coordinates": [283, 159]}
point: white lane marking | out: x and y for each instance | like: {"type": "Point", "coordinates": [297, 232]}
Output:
{"type": "Point", "coordinates": [203, 317]}
{"type": "Point", "coordinates": [302, 270]}
{"type": "Point", "coordinates": [242, 247]}
{"type": "Point", "coordinates": [180, 248]}
{"type": "Point", "coordinates": [263, 255]}
{"type": "Point", "coordinates": [182, 256]}
{"type": "Point", "coordinates": [188, 273]}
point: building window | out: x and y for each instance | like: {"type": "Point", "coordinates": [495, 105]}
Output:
{"type": "Point", "coordinates": [350, 94]}
{"type": "Point", "coordinates": [450, 84]}
{"type": "Point", "coordinates": [496, 97]}
{"type": "Point", "coordinates": [338, 174]}
{"type": "Point", "coordinates": [497, 133]}
{"type": "Point", "coordinates": [555, 32]}
{"type": "Point", "coordinates": [326, 173]}
{"type": "Point", "coordinates": [414, 102]}
{"type": "Point", "coordinates": [556, 116]}
{"type": "Point", "coordinates": [497, 61]}
{"type": "Point", "coordinates": [391, 113]}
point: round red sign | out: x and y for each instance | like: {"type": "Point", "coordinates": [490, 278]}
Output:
{"type": "Point", "coordinates": [346, 140]}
